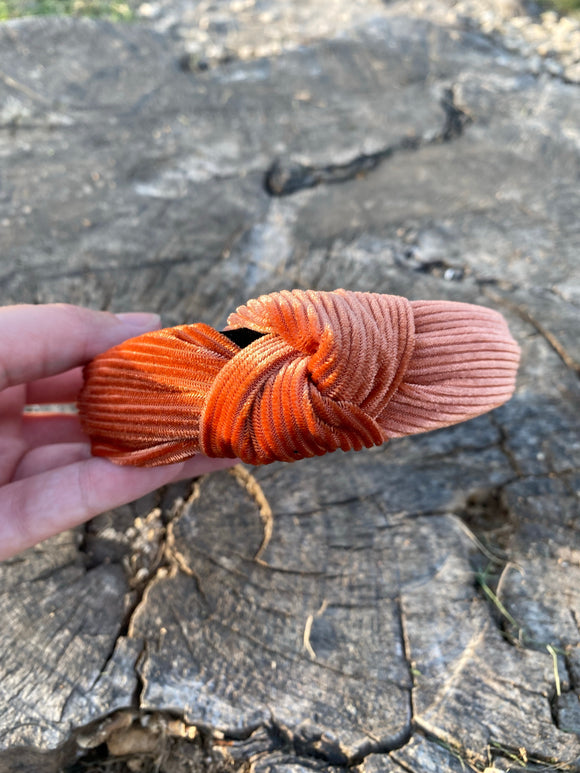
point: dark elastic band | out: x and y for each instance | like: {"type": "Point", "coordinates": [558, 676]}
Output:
{"type": "Point", "coordinates": [242, 336]}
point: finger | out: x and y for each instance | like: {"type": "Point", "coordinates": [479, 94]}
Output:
{"type": "Point", "coordinates": [201, 465]}
{"type": "Point", "coordinates": [11, 405]}
{"type": "Point", "coordinates": [63, 388]}
{"type": "Point", "coordinates": [50, 457]}
{"type": "Point", "coordinates": [40, 429]}
{"type": "Point", "coordinates": [38, 507]}
{"type": "Point", "coordinates": [40, 341]}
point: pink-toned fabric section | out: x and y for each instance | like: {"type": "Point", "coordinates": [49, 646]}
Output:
{"type": "Point", "coordinates": [464, 364]}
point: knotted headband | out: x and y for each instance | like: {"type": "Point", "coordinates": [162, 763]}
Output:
{"type": "Point", "coordinates": [297, 374]}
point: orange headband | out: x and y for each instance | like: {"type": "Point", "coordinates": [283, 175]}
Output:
{"type": "Point", "coordinates": [306, 373]}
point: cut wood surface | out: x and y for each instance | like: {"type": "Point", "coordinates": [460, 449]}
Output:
{"type": "Point", "coordinates": [407, 609]}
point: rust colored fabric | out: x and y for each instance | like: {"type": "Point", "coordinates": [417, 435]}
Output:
{"type": "Point", "coordinates": [330, 370]}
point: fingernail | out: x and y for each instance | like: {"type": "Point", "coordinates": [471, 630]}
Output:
{"type": "Point", "coordinates": [140, 320]}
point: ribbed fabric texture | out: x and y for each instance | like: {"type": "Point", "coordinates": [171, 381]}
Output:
{"type": "Point", "coordinates": [331, 370]}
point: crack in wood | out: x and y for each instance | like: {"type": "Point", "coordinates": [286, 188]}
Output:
{"type": "Point", "coordinates": [549, 337]}
{"type": "Point", "coordinates": [249, 483]}
{"type": "Point", "coordinates": [167, 563]}
{"type": "Point", "coordinates": [505, 447]}
{"type": "Point", "coordinates": [526, 316]}
{"type": "Point", "coordinates": [285, 177]}
{"type": "Point", "coordinates": [404, 736]}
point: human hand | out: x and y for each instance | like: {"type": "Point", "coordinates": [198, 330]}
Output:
{"type": "Point", "coordinates": [48, 480]}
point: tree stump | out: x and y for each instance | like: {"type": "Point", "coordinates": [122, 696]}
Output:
{"type": "Point", "coordinates": [413, 607]}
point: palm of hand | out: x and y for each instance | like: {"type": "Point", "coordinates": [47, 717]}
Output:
{"type": "Point", "coordinates": [48, 480]}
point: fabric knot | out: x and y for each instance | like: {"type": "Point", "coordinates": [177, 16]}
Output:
{"type": "Point", "coordinates": [322, 371]}
{"type": "Point", "coordinates": [302, 389]}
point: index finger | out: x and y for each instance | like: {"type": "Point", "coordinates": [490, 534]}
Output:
{"type": "Point", "coordinates": [40, 341]}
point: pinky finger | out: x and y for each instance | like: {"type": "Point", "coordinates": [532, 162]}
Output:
{"type": "Point", "coordinates": [49, 457]}
{"type": "Point", "coordinates": [35, 508]}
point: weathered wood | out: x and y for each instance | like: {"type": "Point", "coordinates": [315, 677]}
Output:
{"type": "Point", "coordinates": [415, 607]}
